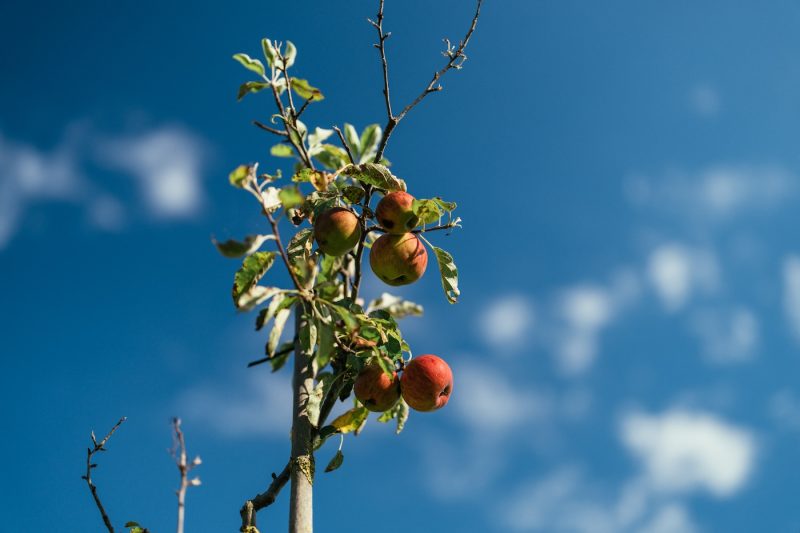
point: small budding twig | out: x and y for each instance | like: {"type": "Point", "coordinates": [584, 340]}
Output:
{"type": "Point", "coordinates": [178, 452]}
{"type": "Point", "coordinates": [99, 447]}
{"type": "Point", "coordinates": [264, 127]}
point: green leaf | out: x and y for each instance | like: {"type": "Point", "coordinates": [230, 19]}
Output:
{"type": "Point", "coordinates": [349, 319]}
{"type": "Point", "coordinates": [285, 350]}
{"type": "Point", "coordinates": [308, 335]}
{"type": "Point", "coordinates": [251, 87]}
{"type": "Point", "coordinates": [402, 415]}
{"type": "Point", "coordinates": [299, 252]}
{"type": "Point", "coordinates": [290, 196]}
{"type": "Point", "coordinates": [448, 271]}
{"type": "Point", "coordinates": [232, 248]}
{"type": "Point", "coordinates": [290, 54]}
{"type": "Point", "coordinates": [326, 344]}
{"type": "Point", "coordinates": [277, 329]}
{"type": "Point", "coordinates": [376, 175]}
{"type": "Point", "coordinates": [351, 136]}
{"type": "Point", "coordinates": [305, 90]}
{"type": "Point", "coordinates": [240, 175]}
{"type": "Point", "coordinates": [353, 193]}
{"type": "Point", "coordinates": [250, 64]}
{"type": "Point", "coordinates": [370, 138]}
{"type": "Point", "coordinates": [351, 420]}
{"type": "Point", "coordinates": [316, 138]}
{"type": "Point", "coordinates": [253, 268]}
{"type": "Point", "coordinates": [395, 306]}
{"type": "Point", "coordinates": [282, 150]}
{"type": "Point", "coordinates": [270, 53]}
{"type": "Point", "coordinates": [332, 156]}
{"type": "Point", "coordinates": [336, 462]}
{"type": "Point", "coordinates": [427, 211]}
{"type": "Point", "coordinates": [266, 314]}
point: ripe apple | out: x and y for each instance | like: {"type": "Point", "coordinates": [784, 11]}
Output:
{"type": "Point", "coordinates": [375, 389]}
{"type": "Point", "coordinates": [337, 231]}
{"type": "Point", "coordinates": [398, 259]}
{"type": "Point", "coordinates": [427, 383]}
{"type": "Point", "coordinates": [395, 213]}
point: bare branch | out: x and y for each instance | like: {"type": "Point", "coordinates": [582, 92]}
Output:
{"type": "Point", "coordinates": [99, 447]}
{"type": "Point", "coordinates": [271, 130]}
{"type": "Point", "coordinates": [264, 499]}
{"type": "Point", "coordinates": [344, 143]}
{"type": "Point", "coordinates": [456, 58]}
{"type": "Point", "coordinates": [266, 359]}
{"type": "Point", "coordinates": [178, 452]}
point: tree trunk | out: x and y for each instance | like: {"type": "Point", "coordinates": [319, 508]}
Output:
{"type": "Point", "coordinates": [300, 503]}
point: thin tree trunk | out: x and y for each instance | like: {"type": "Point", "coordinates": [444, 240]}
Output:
{"type": "Point", "coordinates": [300, 503]}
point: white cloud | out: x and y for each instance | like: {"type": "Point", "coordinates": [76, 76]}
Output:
{"type": "Point", "coordinates": [259, 404]}
{"type": "Point", "coordinates": [715, 193]}
{"type": "Point", "coordinates": [566, 501]}
{"type": "Point", "coordinates": [29, 175]}
{"type": "Point", "coordinates": [507, 322]}
{"type": "Point", "coordinates": [704, 100]}
{"type": "Point", "coordinates": [487, 401]}
{"type": "Point", "coordinates": [584, 310]}
{"type": "Point", "coordinates": [685, 450]}
{"type": "Point", "coordinates": [671, 518]}
{"type": "Point", "coordinates": [676, 271]}
{"type": "Point", "coordinates": [791, 292]}
{"type": "Point", "coordinates": [727, 335]}
{"type": "Point", "coordinates": [167, 161]}
{"type": "Point", "coordinates": [784, 408]}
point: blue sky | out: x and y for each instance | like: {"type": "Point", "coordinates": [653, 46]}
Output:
{"type": "Point", "coordinates": [626, 347]}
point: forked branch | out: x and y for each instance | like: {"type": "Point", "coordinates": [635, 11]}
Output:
{"type": "Point", "coordinates": [178, 452]}
{"type": "Point", "coordinates": [455, 59]}
{"type": "Point", "coordinates": [99, 447]}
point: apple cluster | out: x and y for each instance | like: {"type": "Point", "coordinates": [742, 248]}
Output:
{"type": "Point", "coordinates": [397, 257]}
{"type": "Point", "coordinates": [426, 385]}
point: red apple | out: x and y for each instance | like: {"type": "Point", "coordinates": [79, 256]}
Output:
{"type": "Point", "coordinates": [395, 213]}
{"type": "Point", "coordinates": [398, 259]}
{"type": "Point", "coordinates": [376, 390]}
{"type": "Point", "coordinates": [427, 383]}
{"type": "Point", "coordinates": [337, 231]}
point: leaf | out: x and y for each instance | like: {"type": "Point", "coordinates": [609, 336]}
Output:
{"type": "Point", "coordinates": [353, 141]}
{"type": "Point", "coordinates": [376, 175]}
{"type": "Point", "coordinates": [270, 52]}
{"type": "Point", "coordinates": [305, 90]}
{"type": "Point", "coordinates": [427, 211]}
{"type": "Point", "coordinates": [250, 64]}
{"type": "Point", "coordinates": [316, 138]}
{"type": "Point", "coordinates": [266, 314]}
{"type": "Point", "coordinates": [253, 268]}
{"type": "Point", "coordinates": [336, 462]}
{"type": "Point", "coordinates": [448, 271]}
{"type": "Point", "coordinates": [308, 335]}
{"type": "Point", "coordinates": [353, 193]}
{"type": "Point", "coordinates": [256, 296]}
{"type": "Point", "coordinates": [241, 174]}
{"type": "Point", "coordinates": [332, 156]}
{"type": "Point", "coordinates": [319, 179]}
{"type": "Point", "coordinates": [350, 321]}
{"type": "Point", "coordinates": [290, 197]}
{"type": "Point", "coordinates": [370, 138]}
{"type": "Point", "coordinates": [351, 420]}
{"type": "Point", "coordinates": [326, 344]}
{"type": "Point", "coordinates": [233, 248]}
{"type": "Point", "coordinates": [395, 306]}
{"type": "Point", "coordinates": [277, 328]}
{"type": "Point", "coordinates": [282, 150]}
{"type": "Point", "coordinates": [402, 415]}
{"type": "Point", "coordinates": [251, 87]}
{"type": "Point", "coordinates": [278, 361]}
{"type": "Point", "coordinates": [290, 54]}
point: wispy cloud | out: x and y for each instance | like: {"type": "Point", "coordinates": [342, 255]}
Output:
{"type": "Point", "coordinates": [683, 450]}
{"type": "Point", "coordinates": [676, 271]}
{"type": "Point", "coordinates": [256, 404]}
{"type": "Point", "coordinates": [791, 293]}
{"type": "Point", "coordinates": [727, 335]}
{"type": "Point", "coordinates": [784, 408]}
{"type": "Point", "coordinates": [705, 100]}
{"type": "Point", "coordinates": [507, 323]}
{"type": "Point", "coordinates": [165, 162]}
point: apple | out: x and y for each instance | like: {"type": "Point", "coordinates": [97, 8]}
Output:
{"type": "Point", "coordinates": [395, 213]}
{"type": "Point", "coordinates": [398, 259]}
{"type": "Point", "coordinates": [427, 383]}
{"type": "Point", "coordinates": [337, 231]}
{"type": "Point", "coordinates": [376, 390]}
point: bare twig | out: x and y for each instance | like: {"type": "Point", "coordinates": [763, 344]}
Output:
{"type": "Point", "coordinates": [365, 212]}
{"type": "Point", "coordinates": [273, 356]}
{"type": "Point", "coordinates": [304, 106]}
{"type": "Point", "coordinates": [264, 499]}
{"type": "Point", "coordinates": [344, 143]}
{"type": "Point", "coordinates": [99, 447]}
{"type": "Point", "coordinates": [274, 131]}
{"type": "Point", "coordinates": [178, 452]}
{"type": "Point", "coordinates": [449, 225]}
{"type": "Point", "coordinates": [275, 231]}
{"type": "Point", "coordinates": [456, 58]}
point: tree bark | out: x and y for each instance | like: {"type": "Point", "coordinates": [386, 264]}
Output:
{"type": "Point", "coordinates": [301, 500]}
